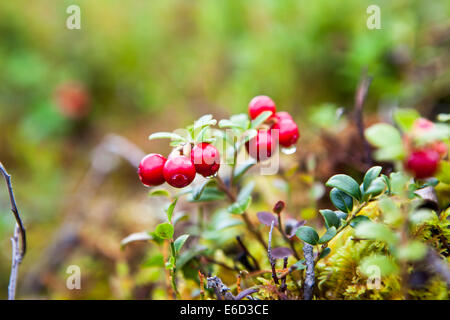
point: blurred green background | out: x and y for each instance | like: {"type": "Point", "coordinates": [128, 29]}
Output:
{"type": "Point", "coordinates": [148, 66]}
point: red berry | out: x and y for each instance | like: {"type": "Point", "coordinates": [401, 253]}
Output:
{"type": "Point", "coordinates": [151, 169]}
{"type": "Point", "coordinates": [288, 132]}
{"type": "Point", "coordinates": [262, 146]}
{"type": "Point", "coordinates": [72, 100]}
{"type": "Point", "coordinates": [281, 115]}
{"type": "Point", "coordinates": [179, 171]}
{"type": "Point", "coordinates": [423, 163]}
{"type": "Point", "coordinates": [206, 159]}
{"type": "Point", "coordinates": [423, 125]}
{"type": "Point", "coordinates": [260, 104]}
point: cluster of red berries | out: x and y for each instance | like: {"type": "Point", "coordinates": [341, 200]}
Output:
{"type": "Point", "coordinates": [423, 162]}
{"type": "Point", "coordinates": [179, 170]}
{"type": "Point", "coordinates": [262, 146]}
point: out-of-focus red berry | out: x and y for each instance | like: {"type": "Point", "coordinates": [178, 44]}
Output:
{"type": "Point", "coordinates": [206, 159]}
{"type": "Point", "coordinates": [281, 115]}
{"type": "Point", "coordinates": [422, 125]}
{"type": "Point", "coordinates": [262, 146]}
{"type": "Point", "coordinates": [441, 148]}
{"type": "Point", "coordinates": [72, 100]}
{"type": "Point", "coordinates": [151, 169]}
{"type": "Point", "coordinates": [260, 104]}
{"type": "Point", "coordinates": [288, 132]}
{"type": "Point", "coordinates": [423, 163]}
{"type": "Point", "coordinates": [179, 171]}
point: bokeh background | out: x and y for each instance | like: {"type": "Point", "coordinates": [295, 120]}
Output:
{"type": "Point", "coordinates": [138, 67]}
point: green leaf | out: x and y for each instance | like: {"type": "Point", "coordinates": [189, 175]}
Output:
{"type": "Point", "coordinates": [383, 135]}
{"type": "Point", "coordinates": [307, 234]}
{"type": "Point", "coordinates": [324, 253]}
{"type": "Point", "coordinates": [375, 231]}
{"type": "Point", "coordinates": [261, 118]}
{"type": "Point", "coordinates": [239, 121]}
{"type": "Point", "coordinates": [331, 232]}
{"type": "Point", "coordinates": [249, 135]}
{"type": "Point", "coordinates": [204, 121]}
{"type": "Point", "coordinates": [179, 242]}
{"type": "Point", "coordinates": [170, 208]}
{"type": "Point", "coordinates": [166, 135]}
{"type": "Point", "coordinates": [138, 236]}
{"type": "Point", "coordinates": [299, 265]}
{"type": "Point", "coordinates": [159, 193]}
{"type": "Point", "coordinates": [164, 230]}
{"type": "Point", "coordinates": [208, 194]}
{"type": "Point", "coordinates": [357, 220]}
{"type": "Point", "coordinates": [331, 219]}
{"type": "Point", "coordinates": [413, 251]}
{"type": "Point", "coordinates": [387, 182]}
{"type": "Point", "coordinates": [388, 141]}
{"type": "Point", "coordinates": [240, 206]}
{"type": "Point", "coordinates": [197, 190]}
{"type": "Point", "coordinates": [246, 191]}
{"type": "Point", "coordinates": [341, 215]}
{"type": "Point", "coordinates": [405, 118]}
{"type": "Point", "coordinates": [371, 175]}
{"type": "Point", "coordinates": [398, 182]}
{"type": "Point", "coordinates": [341, 200]}
{"type": "Point", "coordinates": [376, 187]}
{"type": "Point", "coordinates": [378, 265]}
{"type": "Point", "coordinates": [242, 169]}
{"type": "Point", "coordinates": [346, 184]}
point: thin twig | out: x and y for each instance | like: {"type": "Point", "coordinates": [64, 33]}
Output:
{"type": "Point", "coordinates": [16, 259]}
{"type": "Point", "coordinates": [360, 98]}
{"type": "Point", "coordinates": [221, 290]}
{"type": "Point", "coordinates": [15, 211]}
{"type": "Point", "coordinates": [269, 254]}
{"type": "Point", "coordinates": [19, 229]}
{"type": "Point", "coordinates": [255, 262]}
{"type": "Point", "coordinates": [283, 281]}
{"type": "Point", "coordinates": [289, 241]}
{"type": "Point", "coordinates": [309, 277]}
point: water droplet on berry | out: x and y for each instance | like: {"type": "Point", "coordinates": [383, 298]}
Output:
{"type": "Point", "coordinates": [289, 150]}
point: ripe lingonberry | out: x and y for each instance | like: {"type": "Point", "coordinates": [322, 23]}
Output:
{"type": "Point", "coordinates": [179, 171]}
{"type": "Point", "coordinates": [423, 163]}
{"type": "Point", "coordinates": [281, 115]}
{"type": "Point", "coordinates": [206, 159]}
{"type": "Point", "coordinates": [288, 132]}
{"type": "Point", "coordinates": [260, 104]}
{"type": "Point", "coordinates": [262, 146]}
{"type": "Point", "coordinates": [151, 169]}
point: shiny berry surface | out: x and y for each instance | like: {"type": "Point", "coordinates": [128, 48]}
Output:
{"type": "Point", "coordinates": [287, 131]}
{"type": "Point", "coordinates": [151, 169]}
{"type": "Point", "coordinates": [179, 171]}
{"type": "Point", "coordinates": [281, 115]}
{"type": "Point", "coordinates": [206, 159]}
{"type": "Point", "coordinates": [423, 163]}
{"type": "Point", "coordinates": [262, 146]}
{"type": "Point", "coordinates": [260, 104]}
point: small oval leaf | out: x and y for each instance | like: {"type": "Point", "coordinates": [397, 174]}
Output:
{"type": "Point", "coordinates": [346, 184]}
{"type": "Point", "coordinates": [308, 234]}
{"type": "Point", "coordinates": [266, 218]}
{"type": "Point", "coordinates": [164, 230]}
